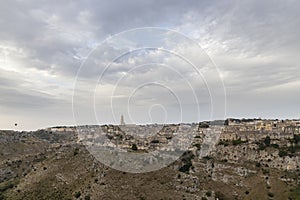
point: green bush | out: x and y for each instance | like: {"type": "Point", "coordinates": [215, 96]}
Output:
{"type": "Point", "coordinates": [134, 147]}
{"type": "Point", "coordinates": [282, 153]}
{"type": "Point", "coordinates": [203, 125]}
{"type": "Point", "coordinates": [6, 186]}
{"type": "Point", "coordinates": [223, 142]}
{"type": "Point", "coordinates": [237, 142]}
{"type": "Point", "coordinates": [76, 151]}
{"type": "Point", "coordinates": [258, 164]}
{"type": "Point", "coordinates": [208, 193]}
{"type": "Point", "coordinates": [77, 194]}
{"type": "Point", "coordinates": [292, 149]}
{"type": "Point", "coordinates": [261, 147]}
{"type": "Point", "coordinates": [267, 141]}
{"type": "Point", "coordinates": [265, 171]}
{"type": "Point", "coordinates": [295, 193]}
{"type": "Point", "coordinates": [296, 138]}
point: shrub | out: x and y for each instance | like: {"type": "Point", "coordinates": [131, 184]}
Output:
{"type": "Point", "coordinates": [276, 146]}
{"type": "Point", "coordinates": [134, 147]}
{"type": "Point", "coordinates": [267, 141]}
{"type": "Point", "coordinates": [265, 171]}
{"type": "Point", "coordinates": [208, 193]}
{"type": "Point", "coordinates": [257, 164]}
{"type": "Point", "coordinates": [220, 195]}
{"type": "Point", "coordinates": [185, 168]}
{"type": "Point", "coordinates": [203, 125]}
{"type": "Point", "coordinates": [282, 153]}
{"type": "Point", "coordinates": [296, 138]}
{"type": "Point", "coordinates": [76, 151]}
{"type": "Point", "coordinates": [87, 197]}
{"type": "Point", "coordinates": [77, 194]}
{"type": "Point", "coordinates": [6, 186]}
{"type": "Point", "coordinates": [261, 147]}
{"type": "Point", "coordinates": [295, 193]}
{"type": "Point", "coordinates": [237, 142]}
{"type": "Point", "coordinates": [292, 149]}
{"type": "Point", "coordinates": [270, 194]}
{"type": "Point", "coordinates": [155, 141]}
{"type": "Point", "coordinates": [223, 142]}
{"type": "Point", "coordinates": [207, 157]}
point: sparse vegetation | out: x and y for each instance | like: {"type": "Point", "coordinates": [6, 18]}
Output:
{"type": "Point", "coordinates": [6, 186]}
{"type": "Point", "coordinates": [295, 193]}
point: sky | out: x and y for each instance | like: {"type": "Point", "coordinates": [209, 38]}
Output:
{"type": "Point", "coordinates": [54, 55]}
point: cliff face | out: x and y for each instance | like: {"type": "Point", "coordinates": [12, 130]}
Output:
{"type": "Point", "coordinates": [53, 164]}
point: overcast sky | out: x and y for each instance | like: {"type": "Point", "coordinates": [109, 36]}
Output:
{"type": "Point", "coordinates": [254, 44]}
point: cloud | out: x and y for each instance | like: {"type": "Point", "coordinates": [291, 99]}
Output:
{"type": "Point", "coordinates": [255, 45]}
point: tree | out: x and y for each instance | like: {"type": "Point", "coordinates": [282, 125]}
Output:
{"type": "Point", "coordinates": [77, 194]}
{"type": "Point", "coordinates": [134, 147]}
{"type": "Point", "coordinates": [282, 153]}
{"type": "Point", "coordinates": [203, 125]}
{"type": "Point", "coordinates": [296, 138]}
{"type": "Point", "coordinates": [267, 141]}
